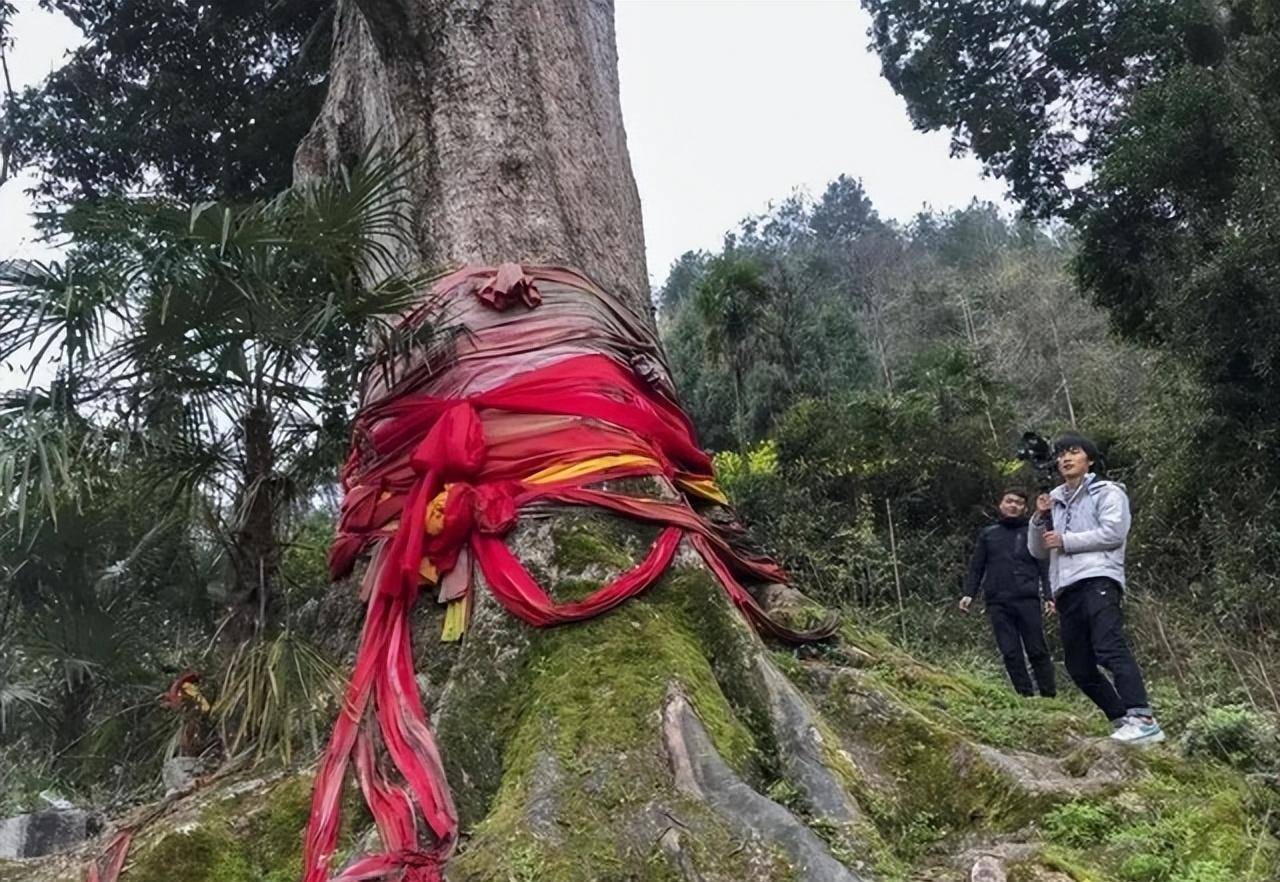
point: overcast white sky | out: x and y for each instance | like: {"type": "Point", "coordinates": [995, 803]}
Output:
{"type": "Point", "coordinates": [728, 104]}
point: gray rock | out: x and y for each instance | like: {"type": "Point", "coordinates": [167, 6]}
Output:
{"type": "Point", "coordinates": [41, 833]}
{"type": "Point", "coordinates": [987, 868]}
{"type": "Point", "coordinates": [180, 773]}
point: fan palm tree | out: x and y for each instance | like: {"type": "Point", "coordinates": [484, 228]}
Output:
{"type": "Point", "coordinates": [731, 299]}
{"type": "Point", "coordinates": [219, 343]}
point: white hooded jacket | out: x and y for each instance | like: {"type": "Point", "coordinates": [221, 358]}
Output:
{"type": "Point", "coordinates": [1093, 521]}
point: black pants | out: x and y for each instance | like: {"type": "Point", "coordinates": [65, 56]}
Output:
{"type": "Point", "coordinates": [1018, 626]}
{"type": "Point", "coordinates": [1093, 636]}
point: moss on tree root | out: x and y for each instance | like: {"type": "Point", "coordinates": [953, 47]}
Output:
{"type": "Point", "coordinates": [553, 743]}
{"type": "Point", "coordinates": [253, 835]}
{"type": "Point", "coordinates": [586, 752]}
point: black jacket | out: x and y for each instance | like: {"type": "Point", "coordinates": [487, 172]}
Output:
{"type": "Point", "coordinates": [1004, 567]}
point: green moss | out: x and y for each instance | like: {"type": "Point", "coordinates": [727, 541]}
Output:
{"type": "Point", "coordinates": [10, 871]}
{"type": "Point", "coordinates": [1064, 862]}
{"type": "Point", "coordinates": [588, 740]}
{"type": "Point", "coordinates": [588, 541]}
{"type": "Point", "coordinates": [580, 545]}
{"type": "Point", "coordinates": [598, 683]}
{"type": "Point", "coordinates": [985, 710]}
{"type": "Point", "coordinates": [200, 854]}
{"type": "Point", "coordinates": [696, 599]}
{"type": "Point", "coordinates": [1079, 823]}
{"type": "Point", "coordinates": [253, 837]}
{"type": "Point", "coordinates": [276, 835]}
{"type": "Point", "coordinates": [1181, 822]}
{"type": "Point", "coordinates": [572, 590]}
{"type": "Point", "coordinates": [932, 786]}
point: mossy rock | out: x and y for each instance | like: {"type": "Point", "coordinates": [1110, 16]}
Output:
{"type": "Point", "coordinates": [237, 831]}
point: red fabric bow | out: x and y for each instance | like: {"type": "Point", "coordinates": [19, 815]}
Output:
{"type": "Point", "coordinates": [508, 286]}
{"type": "Point", "coordinates": [481, 498]}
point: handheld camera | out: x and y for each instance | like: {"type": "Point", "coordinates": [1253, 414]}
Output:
{"type": "Point", "coordinates": [1034, 449]}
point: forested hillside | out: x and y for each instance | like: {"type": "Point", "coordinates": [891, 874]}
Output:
{"type": "Point", "coordinates": [841, 363]}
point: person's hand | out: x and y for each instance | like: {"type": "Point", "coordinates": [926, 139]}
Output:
{"type": "Point", "coordinates": [1050, 608]}
{"type": "Point", "coordinates": [1044, 505]}
{"type": "Point", "coordinates": [965, 603]}
{"type": "Point", "coordinates": [1052, 539]}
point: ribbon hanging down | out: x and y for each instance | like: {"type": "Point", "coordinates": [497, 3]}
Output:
{"type": "Point", "coordinates": [555, 388]}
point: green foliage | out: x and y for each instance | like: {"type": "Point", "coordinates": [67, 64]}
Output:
{"type": "Point", "coordinates": [1182, 823]}
{"type": "Point", "coordinates": [1178, 246]}
{"type": "Point", "coordinates": [731, 299]}
{"type": "Point", "coordinates": [1204, 871]}
{"type": "Point", "coordinates": [682, 279]}
{"type": "Point", "coordinates": [222, 342]}
{"type": "Point", "coordinates": [304, 563]}
{"type": "Point", "coordinates": [204, 359]}
{"type": "Point", "coordinates": [1030, 89]}
{"type": "Point", "coordinates": [820, 499]}
{"type": "Point", "coordinates": [276, 695]}
{"type": "Point", "coordinates": [1170, 105]}
{"type": "Point", "coordinates": [768, 319]}
{"type": "Point", "coordinates": [1233, 734]}
{"type": "Point", "coordinates": [198, 101]}
{"type": "Point", "coordinates": [733, 468]}
{"type": "Point", "coordinates": [1079, 824]}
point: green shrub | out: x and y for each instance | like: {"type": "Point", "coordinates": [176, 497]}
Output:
{"type": "Point", "coordinates": [1233, 734]}
{"type": "Point", "coordinates": [1079, 824]}
{"type": "Point", "coordinates": [1204, 871]}
{"type": "Point", "coordinates": [1144, 867]}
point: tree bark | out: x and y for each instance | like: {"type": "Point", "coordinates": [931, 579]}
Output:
{"type": "Point", "coordinates": [512, 109]}
{"type": "Point", "coordinates": [257, 543]}
{"type": "Point", "coordinates": [640, 744]}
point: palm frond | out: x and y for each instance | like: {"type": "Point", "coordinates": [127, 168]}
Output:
{"type": "Point", "coordinates": [15, 696]}
{"type": "Point", "coordinates": [45, 461]}
{"type": "Point", "coordinates": [57, 310]}
{"type": "Point", "coordinates": [275, 695]}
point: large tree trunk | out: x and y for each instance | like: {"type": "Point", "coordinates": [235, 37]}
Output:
{"type": "Point", "coordinates": [638, 745]}
{"type": "Point", "coordinates": [513, 110]}
{"type": "Point", "coordinates": [622, 748]}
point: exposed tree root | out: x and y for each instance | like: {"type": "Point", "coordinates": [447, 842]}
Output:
{"type": "Point", "coordinates": [802, 751]}
{"type": "Point", "coordinates": [702, 775]}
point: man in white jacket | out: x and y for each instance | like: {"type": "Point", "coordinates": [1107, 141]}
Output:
{"type": "Point", "coordinates": [1080, 528]}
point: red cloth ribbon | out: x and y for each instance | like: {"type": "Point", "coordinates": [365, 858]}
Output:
{"type": "Point", "coordinates": [508, 286]}
{"type": "Point", "coordinates": [107, 867]}
{"type": "Point", "coordinates": [479, 452]}
{"type": "Point", "coordinates": [409, 450]}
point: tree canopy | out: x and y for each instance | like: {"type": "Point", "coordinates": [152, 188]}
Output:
{"type": "Point", "coordinates": [192, 100]}
{"type": "Point", "coordinates": [1152, 126]}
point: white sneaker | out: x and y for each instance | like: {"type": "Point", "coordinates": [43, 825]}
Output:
{"type": "Point", "coordinates": [1137, 730]}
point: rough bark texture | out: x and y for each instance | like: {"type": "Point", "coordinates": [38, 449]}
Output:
{"type": "Point", "coordinates": [256, 558]}
{"type": "Point", "coordinates": [512, 107]}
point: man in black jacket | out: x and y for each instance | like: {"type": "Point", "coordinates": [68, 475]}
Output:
{"type": "Point", "coordinates": [1015, 585]}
